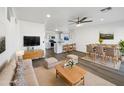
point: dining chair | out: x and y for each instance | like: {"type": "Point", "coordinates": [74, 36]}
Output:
{"type": "Point", "coordinates": [100, 52]}
{"type": "Point", "coordinates": [112, 54]}
{"type": "Point", "coordinates": [91, 51]}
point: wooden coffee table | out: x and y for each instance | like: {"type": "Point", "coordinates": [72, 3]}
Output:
{"type": "Point", "coordinates": [72, 76]}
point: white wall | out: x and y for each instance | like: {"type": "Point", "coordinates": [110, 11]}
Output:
{"type": "Point", "coordinates": [11, 34]}
{"type": "Point", "coordinates": [32, 29]}
{"type": "Point", "coordinates": [90, 34]}
{"type": "Point", "coordinates": [14, 33]}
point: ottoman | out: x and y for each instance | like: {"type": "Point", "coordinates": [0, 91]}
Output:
{"type": "Point", "coordinates": [51, 62]}
{"type": "Point", "coordinates": [74, 57]}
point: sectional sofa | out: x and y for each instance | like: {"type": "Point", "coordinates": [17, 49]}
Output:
{"type": "Point", "coordinates": [11, 74]}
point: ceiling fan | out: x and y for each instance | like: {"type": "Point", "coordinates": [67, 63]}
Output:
{"type": "Point", "coordinates": [106, 9]}
{"type": "Point", "coordinates": [79, 20]}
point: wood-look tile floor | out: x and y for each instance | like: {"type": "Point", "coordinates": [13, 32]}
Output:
{"type": "Point", "coordinates": [111, 75]}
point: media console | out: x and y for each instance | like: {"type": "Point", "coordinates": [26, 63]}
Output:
{"type": "Point", "coordinates": [34, 54]}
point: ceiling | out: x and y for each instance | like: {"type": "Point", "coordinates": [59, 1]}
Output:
{"type": "Point", "coordinates": [60, 16]}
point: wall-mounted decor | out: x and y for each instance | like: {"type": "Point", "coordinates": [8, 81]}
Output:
{"type": "Point", "coordinates": [66, 38]}
{"type": "Point", "coordinates": [106, 36]}
{"type": "Point", "coordinates": [2, 37]}
{"type": "Point", "coordinates": [2, 44]}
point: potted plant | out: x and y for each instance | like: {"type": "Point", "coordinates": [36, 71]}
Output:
{"type": "Point", "coordinates": [100, 40]}
{"type": "Point", "coordinates": [121, 45]}
{"type": "Point", "coordinates": [70, 63]}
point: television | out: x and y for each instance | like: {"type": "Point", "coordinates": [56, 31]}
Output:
{"type": "Point", "coordinates": [31, 40]}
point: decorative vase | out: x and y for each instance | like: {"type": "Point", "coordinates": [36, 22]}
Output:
{"type": "Point", "coordinates": [71, 66]}
{"type": "Point", "coordinates": [100, 41]}
{"type": "Point", "coordinates": [69, 63]}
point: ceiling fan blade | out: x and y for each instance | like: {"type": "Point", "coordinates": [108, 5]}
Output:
{"type": "Point", "coordinates": [71, 21]}
{"type": "Point", "coordinates": [83, 19]}
{"type": "Point", "coordinates": [87, 21]}
{"type": "Point", "coordinates": [107, 8]}
{"type": "Point", "coordinates": [78, 19]}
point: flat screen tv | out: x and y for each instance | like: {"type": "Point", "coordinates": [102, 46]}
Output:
{"type": "Point", "coordinates": [31, 40]}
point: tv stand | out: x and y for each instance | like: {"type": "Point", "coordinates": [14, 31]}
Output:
{"type": "Point", "coordinates": [34, 54]}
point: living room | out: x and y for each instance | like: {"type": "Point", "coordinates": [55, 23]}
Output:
{"type": "Point", "coordinates": [48, 44]}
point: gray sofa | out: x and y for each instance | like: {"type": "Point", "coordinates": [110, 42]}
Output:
{"type": "Point", "coordinates": [8, 70]}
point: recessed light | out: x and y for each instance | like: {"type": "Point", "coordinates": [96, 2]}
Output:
{"type": "Point", "coordinates": [56, 29]}
{"type": "Point", "coordinates": [102, 19]}
{"type": "Point", "coordinates": [48, 15]}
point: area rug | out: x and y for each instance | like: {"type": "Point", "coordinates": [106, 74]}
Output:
{"type": "Point", "coordinates": [47, 77]}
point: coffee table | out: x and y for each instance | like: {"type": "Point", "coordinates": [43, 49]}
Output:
{"type": "Point", "coordinates": [72, 76]}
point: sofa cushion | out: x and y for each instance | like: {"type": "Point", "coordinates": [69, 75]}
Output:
{"type": "Point", "coordinates": [29, 73]}
{"type": "Point", "coordinates": [3, 65]}
{"type": "Point", "coordinates": [19, 79]}
{"type": "Point", "coordinates": [27, 63]}
{"type": "Point", "coordinates": [7, 73]}
{"type": "Point", "coordinates": [19, 69]}
{"type": "Point", "coordinates": [30, 77]}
